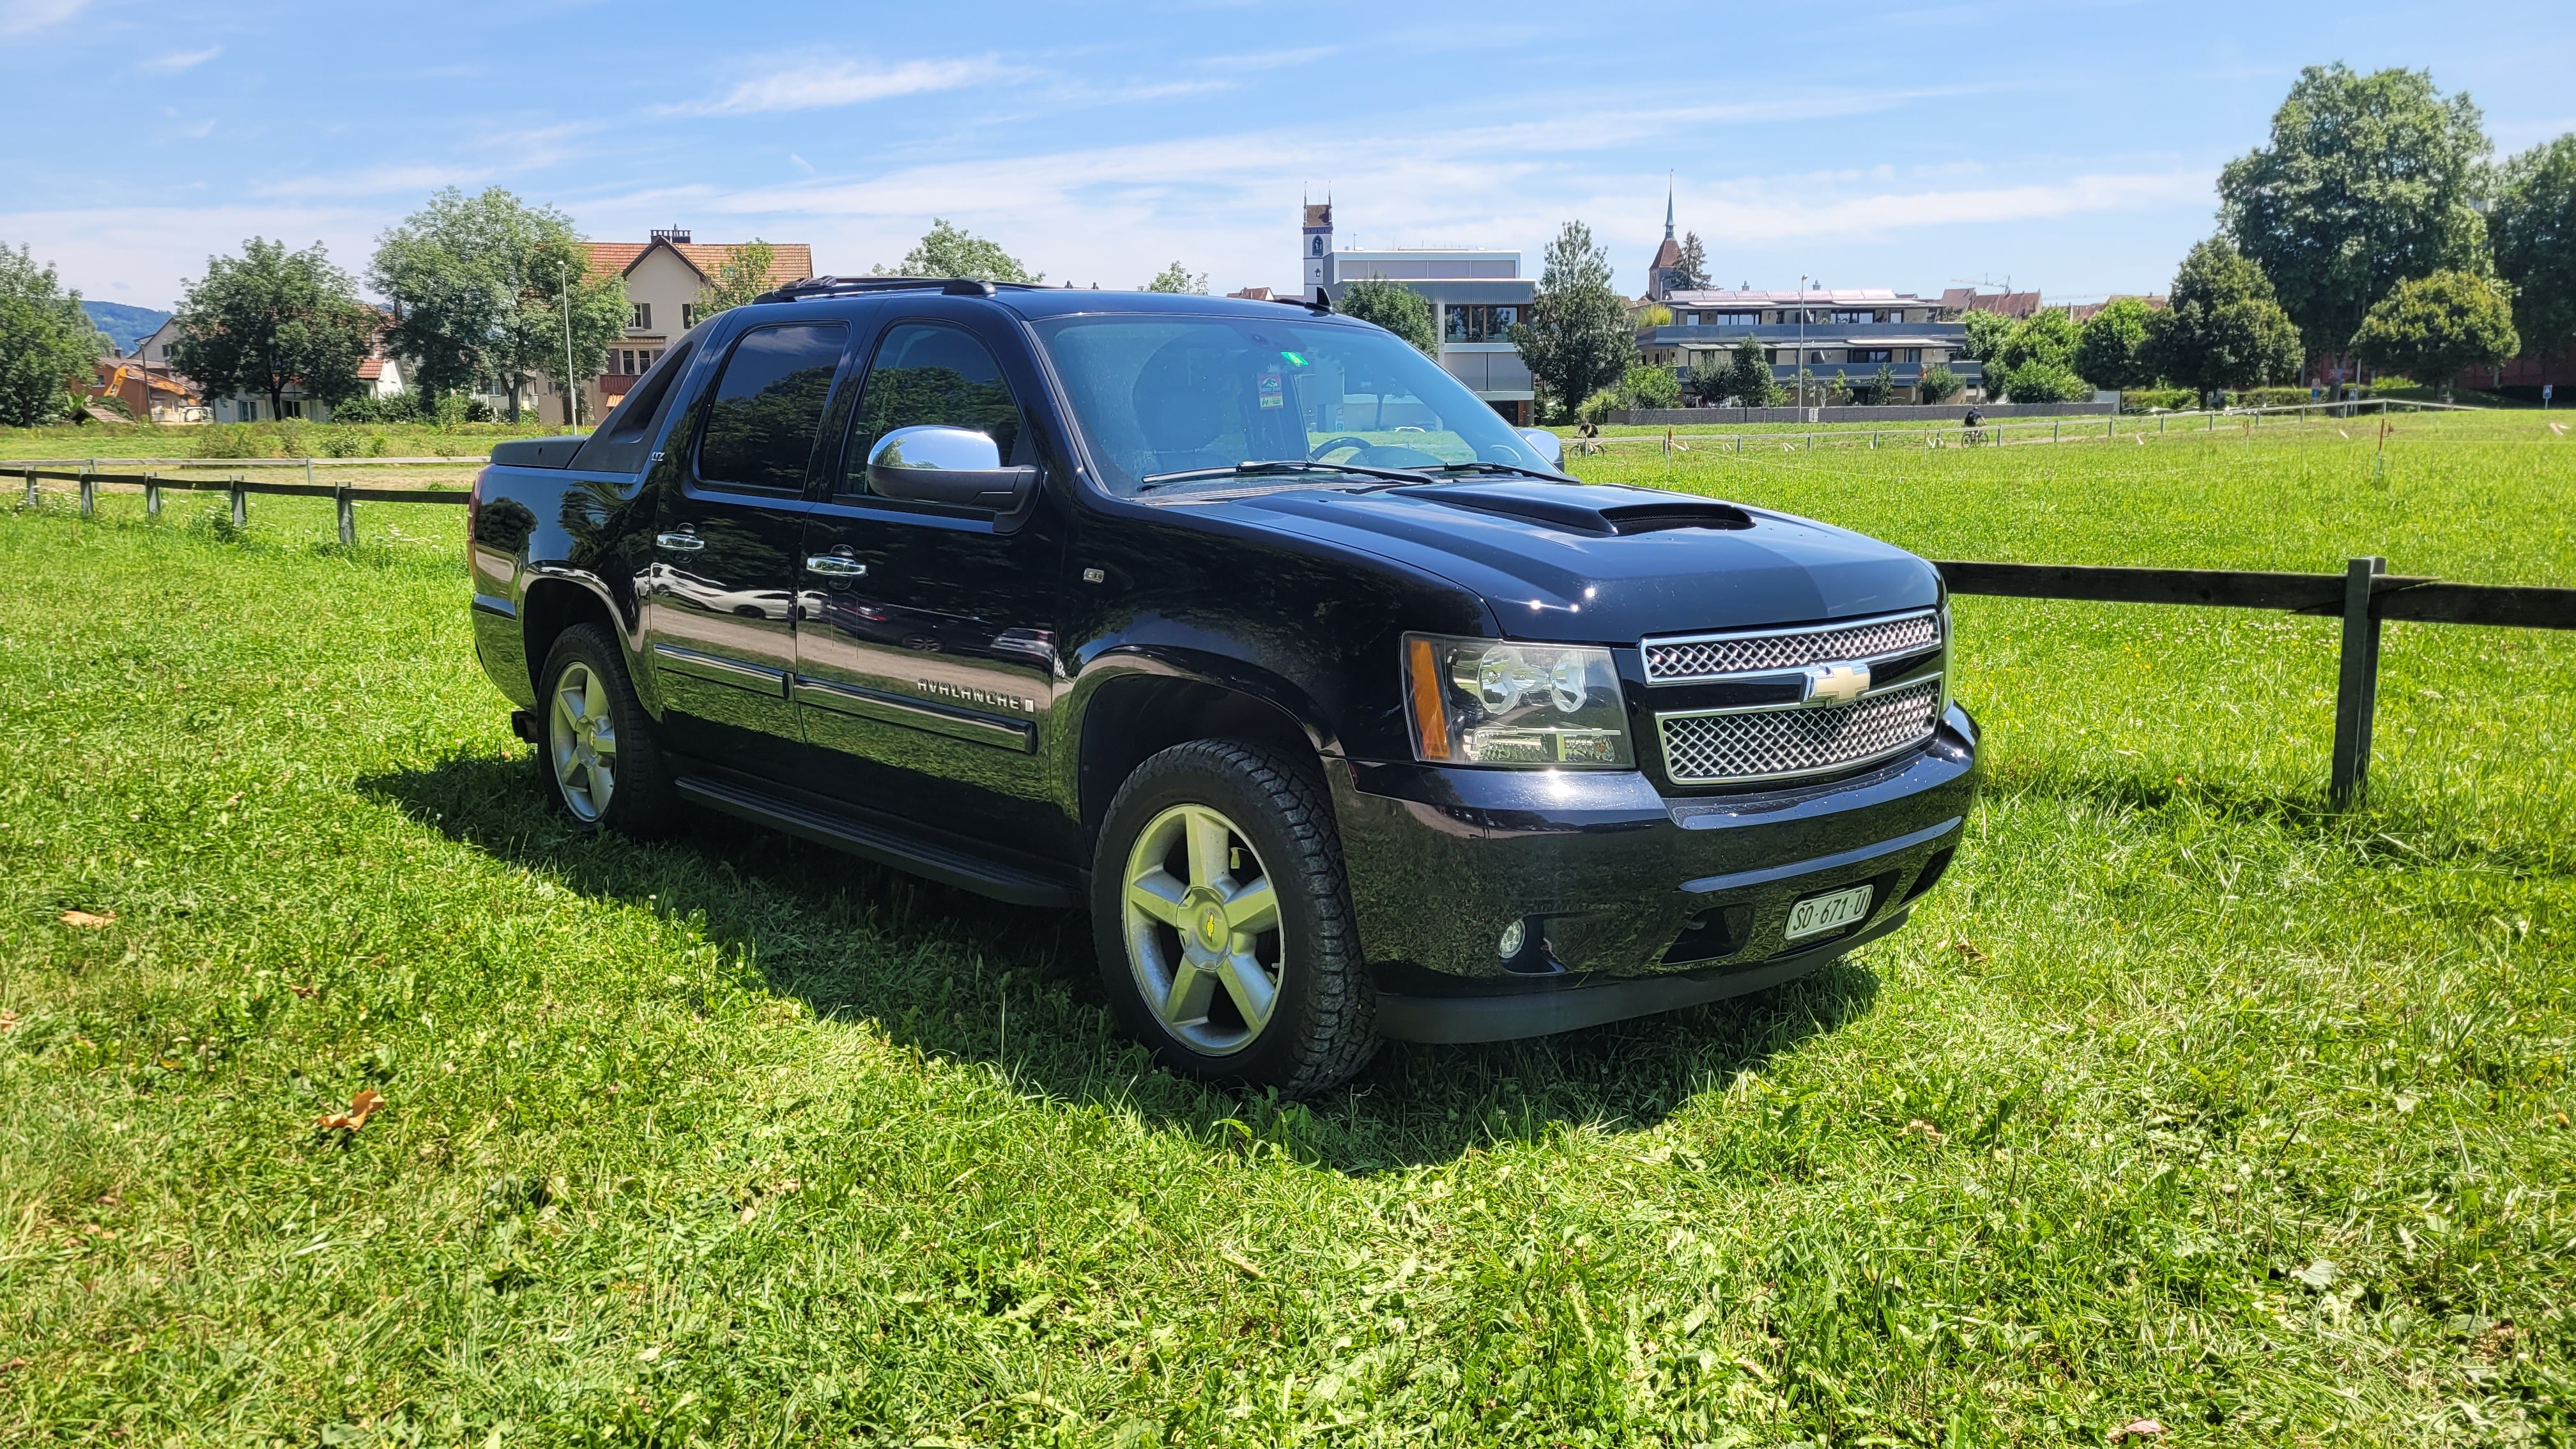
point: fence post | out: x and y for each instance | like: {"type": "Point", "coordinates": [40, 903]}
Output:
{"type": "Point", "coordinates": [2057, 432]}
{"type": "Point", "coordinates": [31, 488]}
{"type": "Point", "coordinates": [241, 503]}
{"type": "Point", "coordinates": [348, 517]}
{"type": "Point", "coordinates": [89, 494]}
{"type": "Point", "coordinates": [2357, 685]}
{"type": "Point", "coordinates": [151, 495]}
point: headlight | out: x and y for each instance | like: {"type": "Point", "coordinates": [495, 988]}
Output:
{"type": "Point", "coordinates": [1493, 702]}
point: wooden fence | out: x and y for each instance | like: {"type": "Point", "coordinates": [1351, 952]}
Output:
{"type": "Point", "coordinates": [2365, 595]}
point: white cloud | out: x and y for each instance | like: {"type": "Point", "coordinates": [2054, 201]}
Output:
{"type": "Point", "coordinates": [841, 83]}
{"type": "Point", "coordinates": [179, 60]}
{"type": "Point", "coordinates": [18, 17]}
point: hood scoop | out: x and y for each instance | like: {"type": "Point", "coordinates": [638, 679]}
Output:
{"type": "Point", "coordinates": [1601, 512]}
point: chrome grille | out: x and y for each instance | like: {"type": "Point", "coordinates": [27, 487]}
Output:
{"type": "Point", "coordinates": [1722, 747]}
{"type": "Point", "coordinates": [1681, 658]}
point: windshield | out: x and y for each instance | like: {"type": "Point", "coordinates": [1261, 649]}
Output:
{"type": "Point", "coordinates": [1159, 396]}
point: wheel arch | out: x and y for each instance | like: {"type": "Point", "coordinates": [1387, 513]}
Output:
{"type": "Point", "coordinates": [1128, 719]}
{"type": "Point", "coordinates": [556, 602]}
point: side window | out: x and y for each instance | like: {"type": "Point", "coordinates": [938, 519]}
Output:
{"type": "Point", "coordinates": [927, 374]}
{"type": "Point", "coordinates": [764, 412]}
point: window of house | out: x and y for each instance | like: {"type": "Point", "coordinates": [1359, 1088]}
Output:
{"type": "Point", "coordinates": [1479, 323]}
{"type": "Point", "coordinates": [767, 408]}
{"type": "Point", "coordinates": [927, 375]}
{"type": "Point", "coordinates": [1873, 354]}
{"type": "Point", "coordinates": [688, 315]}
{"type": "Point", "coordinates": [639, 316]}
{"type": "Point", "coordinates": [291, 408]}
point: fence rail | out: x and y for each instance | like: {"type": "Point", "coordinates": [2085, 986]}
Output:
{"type": "Point", "coordinates": [2366, 595]}
{"type": "Point", "coordinates": [2088, 428]}
{"type": "Point", "coordinates": [347, 496]}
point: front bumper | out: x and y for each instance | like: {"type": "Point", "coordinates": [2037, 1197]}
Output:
{"type": "Point", "coordinates": [1632, 902]}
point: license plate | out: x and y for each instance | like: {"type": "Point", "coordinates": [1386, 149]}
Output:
{"type": "Point", "coordinates": [1818, 914]}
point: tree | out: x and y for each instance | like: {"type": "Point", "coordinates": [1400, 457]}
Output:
{"type": "Point", "coordinates": [1392, 305]}
{"type": "Point", "coordinates": [2533, 228]}
{"type": "Point", "coordinates": [1940, 384]}
{"type": "Point", "coordinates": [271, 318]}
{"type": "Point", "coordinates": [947, 251]}
{"type": "Point", "coordinates": [1985, 331]}
{"type": "Point", "coordinates": [1178, 278]}
{"type": "Point", "coordinates": [1691, 272]}
{"type": "Point", "coordinates": [2035, 360]}
{"type": "Point", "coordinates": [743, 276]}
{"type": "Point", "coordinates": [481, 287]}
{"type": "Point", "coordinates": [1646, 385]}
{"type": "Point", "coordinates": [1749, 380]}
{"type": "Point", "coordinates": [2432, 327]}
{"type": "Point", "coordinates": [1882, 386]}
{"type": "Point", "coordinates": [2367, 182]}
{"type": "Point", "coordinates": [46, 342]}
{"type": "Point", "coordinates": [1574, 335]}
{"type": "Point", "coordinates": [2107, 352]}
{"type": "Point", "coordinates": [2220, 328]}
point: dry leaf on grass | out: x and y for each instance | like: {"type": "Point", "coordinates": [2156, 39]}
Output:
{"type": "Point", "coordinates": [87, 921]}
{"type": "Point", "coordinates": [1967, 950]}
{"type": "Point", "coordinates": [361, 1107]}
{"type": "Point", "coordinates": [8, 1021]}
{"type": "Point", "coordinates": [2137, 1428]}
{"type": "Point", "coordinates": [1931, 1135]}
{"type": "Point", "coordinates": [305, 992]}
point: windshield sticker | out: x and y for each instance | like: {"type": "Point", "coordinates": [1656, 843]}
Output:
{"type": "Point", "coordinates": [1271, 397]}
{"type": "Point", "coordinates": [1293, 359]}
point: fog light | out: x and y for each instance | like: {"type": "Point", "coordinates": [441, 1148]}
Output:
{"type": "Point", "coordinates": [1515, 936]}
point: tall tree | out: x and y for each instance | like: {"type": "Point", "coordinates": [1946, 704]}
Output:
{"type": "Point", "coordinates": [948, 251]}
{"type": "Point", "coordinates": [482, 287]}
{"type": "Point", "coordinates": [1691, 273]}
{"type": "Point", "coordinates": [1575, 335]}
{"type": "Point", "coordinates": [743, 276]}
{"type": "Point", "coordinates": [1394, 306]}
{"type": "Point", "coordinates": [2035, 361]}
{"type": "Point", "coordinates": [1985, 332]}
{"type": "Point", "coordinates": [2221, 327]}
{"type": "Point", "coordinates": [2367, 182]}
{"type": "Point", "coordinates": [46, 342]}
{"type": "Point", "coordinates": [2533, 227]}
{"type": "Point", "coordinates": [1178, 278]}
{"type": "Point", "coordinates": [2107, 354]}
{"type": "Point", "coordinates": [270, 318]}
{"type": "Point", "coordinates": [1749, 380]}
{"type": "Point", "coordinates": [2431, 328]}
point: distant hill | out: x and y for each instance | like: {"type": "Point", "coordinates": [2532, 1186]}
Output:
{"type": "Point", "coordinates": [124, 325]}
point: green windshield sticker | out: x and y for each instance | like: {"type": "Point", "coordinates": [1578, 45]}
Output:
{"type": "Point", "coordinates": [1293, 359]}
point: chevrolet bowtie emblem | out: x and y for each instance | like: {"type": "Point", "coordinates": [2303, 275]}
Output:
{"type": "Point", "coordinates": [1835, 684]}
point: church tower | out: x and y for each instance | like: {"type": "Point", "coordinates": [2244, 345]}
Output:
{"type": "Point", "coordinates": [1315, 249]}
{"type": "Point", "coordinates": [1661, 273]}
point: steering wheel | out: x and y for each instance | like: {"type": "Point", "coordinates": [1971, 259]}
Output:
{"type": "Point", "coordinates": [1344, 441]}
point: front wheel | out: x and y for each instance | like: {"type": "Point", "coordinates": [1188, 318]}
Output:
{"type": "Point", "coordinates": [1224, 921]}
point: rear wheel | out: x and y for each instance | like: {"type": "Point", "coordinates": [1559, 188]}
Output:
{"type": "Point", "coordinates": [596, 752]}
{"type": "Point", "coordinates": [1224, 922]}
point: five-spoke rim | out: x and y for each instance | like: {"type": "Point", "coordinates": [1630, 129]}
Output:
{"type": "Point", "coordinates": [582, 741]}
{"type": "Point", "coordinates": [1202, 926]}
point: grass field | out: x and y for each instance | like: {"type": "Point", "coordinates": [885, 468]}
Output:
{"type": "Point", "coordinates": [2181, 1100]}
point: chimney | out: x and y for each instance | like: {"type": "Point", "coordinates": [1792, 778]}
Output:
{"type": "Point", "coordinates": [676, 235]}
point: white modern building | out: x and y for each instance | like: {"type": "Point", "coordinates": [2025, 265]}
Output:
{"type": "Point", "coordinates": [1475, 295]}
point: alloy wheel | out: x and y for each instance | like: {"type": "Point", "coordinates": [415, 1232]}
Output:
{"type": "Point", "coordinates": [1202, 929]}
{"type": "Point", "coordinates": [582, 742]}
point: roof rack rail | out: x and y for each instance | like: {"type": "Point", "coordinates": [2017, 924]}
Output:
{"type": "Point", "coordinates": [856, 286]}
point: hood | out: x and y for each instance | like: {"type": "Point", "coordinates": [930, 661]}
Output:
{"type": "Point", "coordinates": [1607, 563]}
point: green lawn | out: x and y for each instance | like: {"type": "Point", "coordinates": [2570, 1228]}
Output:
{"type": "Point", "coordinates": [2180, 1100]}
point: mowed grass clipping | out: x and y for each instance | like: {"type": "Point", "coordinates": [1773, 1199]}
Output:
{"type": "Point", "coordinates": [2181, 1100]}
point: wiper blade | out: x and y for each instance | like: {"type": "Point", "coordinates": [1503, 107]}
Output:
{"type": "Point", "coordinates": [1268, 466]}
{"type": "Point", "coordinates": [1483, 467]}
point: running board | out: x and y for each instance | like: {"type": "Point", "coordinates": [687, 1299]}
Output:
{"type": "Point", "coordinates": [942, 863]}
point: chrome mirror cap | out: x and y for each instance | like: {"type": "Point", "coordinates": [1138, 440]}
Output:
{"type": "Point", "coordinates": [1549, 446]}
{"type": "Point", "coordinates": [937, 448]}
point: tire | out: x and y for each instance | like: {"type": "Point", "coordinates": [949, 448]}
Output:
{"type": "Point", "coordinates": [1186, 954]}
{"type": "Point", "coordinates": [595, 741]}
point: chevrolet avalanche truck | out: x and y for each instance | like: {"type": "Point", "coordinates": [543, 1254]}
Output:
{"type": "Point", "coordinates": [1342, 709]}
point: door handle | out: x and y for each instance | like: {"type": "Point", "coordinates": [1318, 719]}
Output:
{"type": "Point", "coordinates": [834, 566]}
{"type": "Point", "coordinates": [683, 541]}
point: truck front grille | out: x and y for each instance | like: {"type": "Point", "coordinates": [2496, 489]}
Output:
{"type": "Point", "coordinates": [1686, 658]}
{"type": "Point", "coordinates": [1775, 742]}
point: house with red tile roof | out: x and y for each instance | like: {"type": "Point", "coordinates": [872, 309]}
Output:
{"type": "Point", "coordinates": [665, 276]}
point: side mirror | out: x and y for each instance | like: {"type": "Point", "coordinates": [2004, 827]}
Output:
{"type": "Point", "coordinates": [1549, 446]}
{"type": "Point", "coordinates": [955, 466]}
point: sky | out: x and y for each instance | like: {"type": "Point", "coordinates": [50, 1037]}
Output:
{"type": "Point", "coordinates": [2071, 147]}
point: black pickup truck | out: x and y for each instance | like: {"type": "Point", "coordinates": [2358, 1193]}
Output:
{"type": "Point", "coordinates": [1345, 712]}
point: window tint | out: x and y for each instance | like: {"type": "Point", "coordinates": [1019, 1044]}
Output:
{"type": "Point", "coordinates": [930, 375]}
{"type": "Point", "coordinates": [769, 405]}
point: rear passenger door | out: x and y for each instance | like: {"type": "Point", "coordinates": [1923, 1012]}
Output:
{"type": "Point", "coordinates": [722, 628]}
{"type": "Point", "coordinates": [927, 665]}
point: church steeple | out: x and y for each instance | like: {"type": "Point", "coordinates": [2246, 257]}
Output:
{"type": "Point", "coordinates": [1668, 206]}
